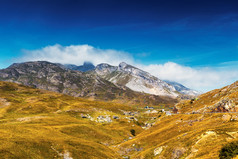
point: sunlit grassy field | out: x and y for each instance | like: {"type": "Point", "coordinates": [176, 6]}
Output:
{"type": "Point", "coordinates": [41, 124]}
{"type": "Point", "coordinates": [184, 136]}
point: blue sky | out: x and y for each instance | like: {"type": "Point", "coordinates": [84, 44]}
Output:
{"type": "Point", "coordinates": [197, 34]}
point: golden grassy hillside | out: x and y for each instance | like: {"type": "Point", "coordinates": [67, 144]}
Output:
{"type": "Point", "coordinates": [184, 136]}
{"type": "Point", "coordinates": [40, 124]}
{"type": "Point", "coordinates": [218, 100]}
{"type": "Point", "coordinates": [202, 128]}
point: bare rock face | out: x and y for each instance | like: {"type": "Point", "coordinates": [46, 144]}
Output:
{"type": "Point", "coordinates": [139, 80]}
{"type": "Point", "coordinates": [227, 99]}
{"type": "Point", "coordinates": [225, 105]}
{"type": "Point", "coordinates": [104, 69]}
{"type": "Point", "coordinates": [158, 150]}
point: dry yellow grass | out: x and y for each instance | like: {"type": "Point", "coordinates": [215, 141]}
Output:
{"type": "Point", "coordinates": [212, 101]}
{"type": "Point", "coordinates": [40, 124]}
{"type": "Point", "coordinates": [188, 135]}
{"type": "Point", "coordinates": [183, 136]}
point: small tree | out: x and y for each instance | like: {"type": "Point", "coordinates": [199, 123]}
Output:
{"type": "Point", "coordinates": [133, 132]}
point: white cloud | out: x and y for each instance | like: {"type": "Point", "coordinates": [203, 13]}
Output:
{"type": "Point", "coordinates": [76, 54]}
{"type": "Point", "coordinates": [202, 79]}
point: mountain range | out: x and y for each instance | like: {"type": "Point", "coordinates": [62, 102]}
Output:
{"type": "Point", "coordinates": [58, 78]}
{"type": "Point", "coordinates": [141, 81]}
{"type": "Point", "coordinates": [135, 79]}
{"type": "Point", "coordinates": [101, 82]}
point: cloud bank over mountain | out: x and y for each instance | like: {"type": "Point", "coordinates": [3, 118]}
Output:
{"type": "Point", "coordinates": [202, 79]}
{"type": "Point", "coordinates": [76, 54]}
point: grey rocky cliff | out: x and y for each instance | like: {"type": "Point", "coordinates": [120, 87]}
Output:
{"type": "Point", "coordinates": [135, 79]}
{"type": "Point", "coordinates": [142, 81]}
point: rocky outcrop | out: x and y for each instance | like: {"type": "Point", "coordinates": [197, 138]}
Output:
{"type": "Point", "coordinates": [4, 103]}
{"type": "Point", "coordinates": [215, 101]}
{"type": "Point", "coordinates": [104, 119]}
{"type": "Point", "coordinates": [158, 150]}
{"type": "Point", "coordinates": [225, 105]}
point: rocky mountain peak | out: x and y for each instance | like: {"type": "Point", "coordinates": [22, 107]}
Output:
{"type": "Point", "coordinates": [123, 65]}
{"type": "Point", "coordinates": [104, 68]}
{"type": "Point", "coordinates": [135, 79]}
{"type": "Point", "coordinates": [35, 67]}
{"type": "Point", "coordinates": [62, 77]}
{"type": "Point", "coordinates": [31, 64]}
{"type": "Point", "coordinates": [126, 67]}
{"type": "Point", "coordinates": [133, 70]}
{"type": "Point", "coordinates": [87, 66]}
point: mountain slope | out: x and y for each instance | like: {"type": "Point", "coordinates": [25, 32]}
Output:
{"type": "Point", "coordinates": [192, 136]}
{"type": "Point", "coordinates": [55, 77]}
{"type": "Point", "coordinates": [41, 124]}
{"type": "Point", "coordinates": [204, 125]}
{"type": "Point", "coordinates": [218, 100]}
{"type": "Point", "coordinates": [49, 76]}
{"type": "Point", "coordinates": [182, 89]}
{"type": "Point", "coordinates": [135, 79]}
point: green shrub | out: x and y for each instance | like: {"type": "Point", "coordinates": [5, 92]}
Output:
{"type": "Point", "coordinates": [133, 132]}
{"type": "Point", "coordinates": [229, 151]}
